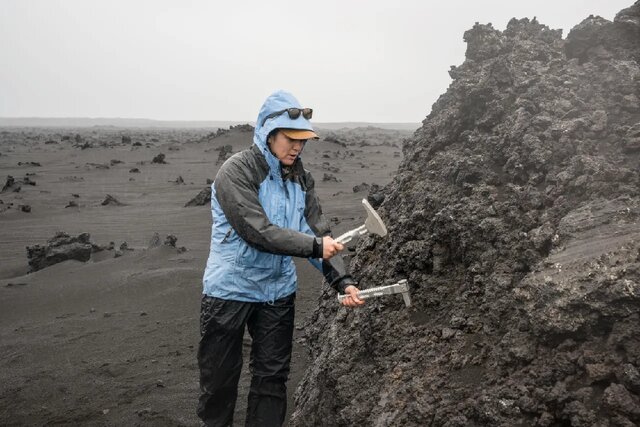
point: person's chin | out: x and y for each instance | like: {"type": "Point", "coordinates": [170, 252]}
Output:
{"type": "Point", "coordinates": [288, 161]}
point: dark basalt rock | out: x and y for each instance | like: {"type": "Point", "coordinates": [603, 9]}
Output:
{"type": "Point", "coordinates": [515, 217]}
{"type": "Point", "coordinates": [329, 177]}
{"type": "Point", "coordinates": [110, 200]}
{"type": "Point", "coordinates": [171, 240]}
{"type": "Point", "coordinates": [237, 128]}
{"type": "Point", "coordinates": [159, 159]}
{"type": "Point", "coordinates": [223, 153]}
{"type": "Point", "coordinates": [361, 187]}
{"type": "Point", "coordinates": [10, 185]}
{"type": "Point", "coordinates": [28, 181]}
{"type": "Point", "coordinates": [61, 247]}
{"type": "Point", "coordinates": [203, 198]}
{"type": "Point", "coordinates": [375, 196]}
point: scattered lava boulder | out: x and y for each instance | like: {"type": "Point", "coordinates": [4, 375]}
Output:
{"type": "Point", "coordinates": [223, 153]}
{"type": "Point", "coordinates": [203, 198]}
{"type": "Point", "coordinates": [10, 185]}
{"type": "Point", "coordinates": [361, 187]}
{"type": "Point", "coordinates": [112, 201]}
{"type": "Point", "coordinates": [61, 247]}
{"type": "Point", "coordinates": [159, 159]}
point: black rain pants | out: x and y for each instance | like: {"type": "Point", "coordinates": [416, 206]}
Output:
{"type": "Point", "coordinates": [222, 325]}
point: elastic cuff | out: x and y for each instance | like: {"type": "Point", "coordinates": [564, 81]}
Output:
{"type": "Point", "coordinates": [317, 248]}
{"type": "Point", "coordinates": [341, 284]}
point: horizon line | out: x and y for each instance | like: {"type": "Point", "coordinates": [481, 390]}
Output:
{"type": "Point", "coordinates": [179, 120]}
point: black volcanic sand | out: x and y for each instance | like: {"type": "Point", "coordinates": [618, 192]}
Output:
{"type": "Point", "coordinates": [112, 341]}
{"type": "Point", "coordinates": [514, 215]}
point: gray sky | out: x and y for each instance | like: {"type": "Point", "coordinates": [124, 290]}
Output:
{"type": "Point", "coordinates": [376, 61]}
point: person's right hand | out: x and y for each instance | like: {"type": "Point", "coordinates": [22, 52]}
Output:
{"type": "Point", "coordinates": [330, 247]}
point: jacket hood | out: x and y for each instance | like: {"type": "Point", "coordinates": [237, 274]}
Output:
{"type": "Point", "coordinates": [277, 101]}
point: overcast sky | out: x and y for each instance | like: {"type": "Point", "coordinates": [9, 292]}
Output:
{"type": "Point", "coordinates": [375, 61]}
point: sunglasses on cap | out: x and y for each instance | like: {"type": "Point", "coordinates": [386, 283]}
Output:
{"type": "Point", "coordinates": [294, 113]}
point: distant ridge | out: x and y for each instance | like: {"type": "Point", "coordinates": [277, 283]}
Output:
{"type": "Point", "coordinates": [82, 122]}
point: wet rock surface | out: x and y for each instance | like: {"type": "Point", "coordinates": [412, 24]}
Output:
{"type": "Point", "coordinates": [514, 217]}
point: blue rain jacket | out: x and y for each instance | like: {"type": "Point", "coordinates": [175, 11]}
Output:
{"type": "Point", "coordinates": [261, 219]}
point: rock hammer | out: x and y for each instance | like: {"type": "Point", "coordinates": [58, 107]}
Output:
{"type": "Point", "coordinates": [402, 287]}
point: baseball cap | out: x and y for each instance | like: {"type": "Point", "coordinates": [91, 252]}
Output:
{"type": "Point", "coordinates": [300, 133]}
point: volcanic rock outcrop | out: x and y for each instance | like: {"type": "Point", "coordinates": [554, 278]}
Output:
{"type": "Point", "coordinates": [515, 218]}
{"type": "Point", "coordinates": [247, 128]}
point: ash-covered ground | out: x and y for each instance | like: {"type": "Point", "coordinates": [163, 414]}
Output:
{"type": "Point", "coordinates": [104, 234]}
{"type": "Point", "coordinates": [515, 217]}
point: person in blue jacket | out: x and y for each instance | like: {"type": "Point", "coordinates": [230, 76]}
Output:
{"type": "Point", "coordinates": [265, 211]}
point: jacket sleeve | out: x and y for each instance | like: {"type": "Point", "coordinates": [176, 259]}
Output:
{"type": "Point", "coordinates": [333, 269]}
{"type": "Point", "coordinates": [237, 192]}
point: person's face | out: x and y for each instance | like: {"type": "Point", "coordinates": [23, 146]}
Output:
{"type": "Point", "coordinates": [285, 148]}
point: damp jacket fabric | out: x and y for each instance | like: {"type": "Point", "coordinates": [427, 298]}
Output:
{"type": "Point", "coordinates": [262, 218]}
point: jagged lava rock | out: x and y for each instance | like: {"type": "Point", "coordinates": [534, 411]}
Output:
{"type": "Point", "coordinates": [515, 218]}
{"type": "Point", "coordinates": [61, 247]}
{"type": "Point", "coordinates": [203, 198]}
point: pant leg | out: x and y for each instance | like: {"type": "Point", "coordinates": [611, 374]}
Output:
{"type": "Point", "coordinates": [222, 326]}
{"type": "Point", "coordinates": [271, 329]}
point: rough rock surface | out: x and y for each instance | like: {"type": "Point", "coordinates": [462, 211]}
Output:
{"type": "Point", "coordinates": [10, 185]}
{"type": "Point", "coordinates": [515, 218]}
{"type": "Point", "coordinates": [361, 187]}
{"type": "Point", "coordinates": [201, 199]}
{"type": "Point", "coordinates": [110, 200]}
{"type": "Point", "coordinates": [61, 247]}
{"type": "Point", "coordinates": [159, 159]}
{"type": "Point", "coordinates": [223, 153]}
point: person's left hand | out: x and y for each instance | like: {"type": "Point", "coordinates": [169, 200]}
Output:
{"type": "Point", "coordinates": [352, 299]}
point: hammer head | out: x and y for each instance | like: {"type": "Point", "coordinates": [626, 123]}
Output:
{"type": "Point", "coordinates": [404, 285]}
{"type": "Point", "coordinates": [373, 223]}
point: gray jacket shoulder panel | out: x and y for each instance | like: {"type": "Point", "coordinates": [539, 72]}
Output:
{"type": "Point", "coordinates": [237, 187]}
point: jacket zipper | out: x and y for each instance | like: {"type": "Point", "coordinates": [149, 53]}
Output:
{"type": "Point", "coordinates": [226, 236]}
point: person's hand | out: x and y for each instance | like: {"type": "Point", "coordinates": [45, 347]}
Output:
{"type": "Point", "coordinates": [330, 247]}
{"type": "Point", "coordinates": [352, 299]}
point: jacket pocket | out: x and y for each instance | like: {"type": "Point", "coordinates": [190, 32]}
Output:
{"type": "Point", "coordinates": [252, 258]}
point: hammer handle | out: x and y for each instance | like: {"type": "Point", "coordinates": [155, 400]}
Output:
{"type": "Point", "coordinates": [396, 288]}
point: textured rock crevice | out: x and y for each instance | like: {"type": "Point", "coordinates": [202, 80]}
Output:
{"type": "Point", "coordinates": [514, 216]}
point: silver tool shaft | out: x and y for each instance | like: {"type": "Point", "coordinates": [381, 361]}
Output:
{"type": "Point", "coordinates": [402, 287]}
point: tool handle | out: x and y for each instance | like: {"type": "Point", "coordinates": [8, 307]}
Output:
{"type": "Point", "coordinates": [401, 286]}
{"type": "Point", "coordinates": [346, 237]}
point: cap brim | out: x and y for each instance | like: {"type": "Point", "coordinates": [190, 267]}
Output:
{"type": "Point", "coordinates": [300, 134]}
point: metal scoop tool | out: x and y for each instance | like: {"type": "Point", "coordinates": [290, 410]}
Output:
{"type": "Point", "coordinates": [402, 287]}
{"type": "Point", "coordinates": [373, 224]}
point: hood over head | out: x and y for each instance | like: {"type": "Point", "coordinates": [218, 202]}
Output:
{"type": "Point", "coordinates": [277, 101]}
